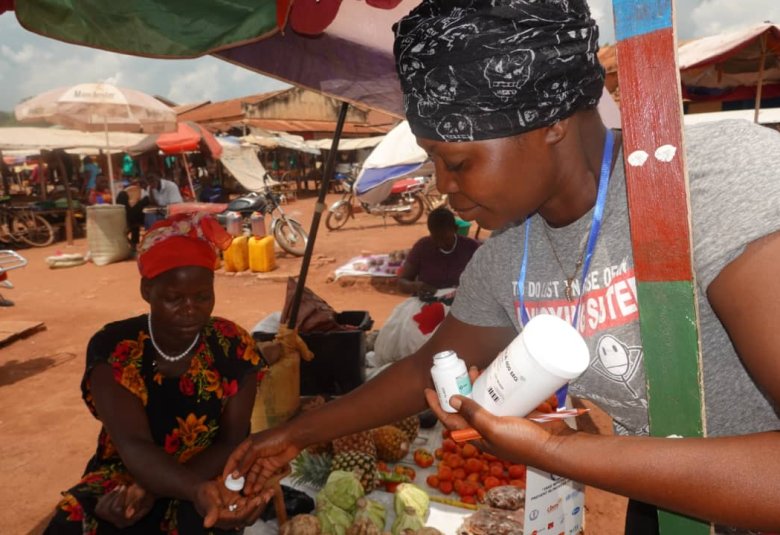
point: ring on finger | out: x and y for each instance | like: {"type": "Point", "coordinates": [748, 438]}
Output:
{"type": "Point", "coordinates": [232, 507]}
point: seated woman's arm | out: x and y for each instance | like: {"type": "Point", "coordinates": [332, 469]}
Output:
{"type": "Point", "coordinates": [233, 428]}
{"type": "Point", "coordinates": [125, 419]}
{"type": "Point", "coordinates": [407, 279]}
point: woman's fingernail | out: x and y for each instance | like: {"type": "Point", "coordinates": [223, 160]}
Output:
{"type": "Point", "coordinates": [455, 403]}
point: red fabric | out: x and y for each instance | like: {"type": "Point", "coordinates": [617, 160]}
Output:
{"type": "Point", "coordinates": [187, 138]}
{"type": "Point", "coordinates": [402, 185]}
{"type": "Point", "coordinates": [6, 5]}
{"type": "Point", "coordinates": [383, 4]}
{"type": "Point", "coordinates": [170, 248]}
{"type": "Point", "coordinates": [312, 17]}
{"type": "Point", "coordinates": [429, 317]}
{"type": "Point", "coordinates": [282, 13]}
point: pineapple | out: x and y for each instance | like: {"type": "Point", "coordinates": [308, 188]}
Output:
{"type": "Point", "coordinates": [362, 464]}
{"type": "Point", "coordinates": [392, 445]}
{"type": "Point", "coordinates": [410, 426]}
{"type": "Point", "coordinates": [312, 470]}
{"type": "Point", "coordinates": [361, 442]}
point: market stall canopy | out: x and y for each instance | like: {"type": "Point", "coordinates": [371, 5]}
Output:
{"type": "Point", "coordinates": [34, 139]}
{"type": "Point", "coordinates": [732, 64]}
{"type": "Point", "coordinates": [188, 137]}
{"type": "Point", "coordinates": [268, 139]}
{"type": "Point", "coordinates": [242, 162]}
{"type": "Point", "coordinates": [354, 143]}
{"type": "Point", "coordinates": [397, 155]}
{"type": "Point", "coordinates": [767, 116]}
{"type": "Point", "coordinates": [98, 107]}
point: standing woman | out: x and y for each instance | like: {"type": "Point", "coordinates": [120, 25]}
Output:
{"type": "Point", "coordinates": [502, 95]}
{"type": "Point", "coordinates": [174, 390]}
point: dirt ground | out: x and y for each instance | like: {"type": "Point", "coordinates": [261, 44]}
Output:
{"type": "Point", "coordinates": [47, 432]}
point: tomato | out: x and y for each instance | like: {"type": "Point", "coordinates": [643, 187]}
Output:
{"type": "Point", "coordinates": [519, 483]}
{"type": "Point", "coordinates": [491, 482]}
{"type": "Point", "coordinates": [496, 470]}
{"type": "Point", "coordinates": [432, 481]}
{"type": "Point", "coordinates": [445, 487]}
{"type": "Point", "coordinates": [469, 450]}
{"type": "Point", "coordinates": [468, 499]}
{"type": "Point", "coordinates": [473, 466]}
{"type": "Point", "coordinates": [459, 473]}
{"type": "Point", "coordinates": [439, 453]}
{"type": "Point", "coordinates": [391, 486]}
{"type": "Point", "coordinates": [381, 466]}
{"type": "Point", "coordinates": [445, 473]}
{"type": "Point", "coordinates": [423, 458]}
{"type": "Point", "coordinates": [449, 445]}
{"type": "Point", "coordinates": [517, 471]}
{"type": "Point", "coordinates": [454, 461]}
{"type": "Point", "coordinates": [404, 470]}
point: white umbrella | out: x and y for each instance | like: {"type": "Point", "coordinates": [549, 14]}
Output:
{"type": "Point", "coordinates": [100, 106]}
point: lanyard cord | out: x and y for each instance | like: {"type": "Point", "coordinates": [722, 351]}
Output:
{"type": "Point", "coordinates": [595, 228]}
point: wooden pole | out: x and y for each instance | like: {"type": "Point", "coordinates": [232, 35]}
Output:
{"type": "Point", "coordinates": [651, 110]}
{"type": "Point", "coordinates": [42, 174]}
{"type": "Point", "coordinates": [6, 183]}
{"type": "Point", "coordinates": [319, 207]}
{"type": "Point", "coordinates": [760, 84]}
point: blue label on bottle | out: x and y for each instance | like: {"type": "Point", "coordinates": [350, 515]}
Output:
{"type": "Point", "coordinates": [464, 385]}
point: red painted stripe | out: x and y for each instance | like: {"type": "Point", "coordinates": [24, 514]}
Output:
{"type": "Point", "coordinates": [656, 190]}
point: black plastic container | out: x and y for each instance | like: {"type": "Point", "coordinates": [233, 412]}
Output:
{"type": "Point", "coordinates": [339, 362]}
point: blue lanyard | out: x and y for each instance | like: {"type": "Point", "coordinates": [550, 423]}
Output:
{"type": "Point", "coordinates": [595, 228]}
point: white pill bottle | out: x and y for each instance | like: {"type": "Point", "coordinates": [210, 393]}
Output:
{"type": "Point", "coordinates": [450, 377]}
{"type": "Point", "coordinates": [546, 355]}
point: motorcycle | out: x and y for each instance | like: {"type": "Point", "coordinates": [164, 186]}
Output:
{"type": "Point", "coordinates": [406, 203]}
{"type": "Point", "coordinates": [288, 233]}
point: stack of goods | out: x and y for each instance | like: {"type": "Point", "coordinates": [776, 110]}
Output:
{"type": "Point", "coordinates": [343, 509]}
{"type": "Point", "coordinates": [504, 514]}
{"type": "Point", "coordinates": [468, 472]}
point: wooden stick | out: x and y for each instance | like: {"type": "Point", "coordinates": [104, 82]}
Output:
{"type": "Point", "coordinates": [281, 511]}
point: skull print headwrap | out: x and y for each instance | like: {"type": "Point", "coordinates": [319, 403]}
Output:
{"type": "Point", "coordinates": [485, 69]}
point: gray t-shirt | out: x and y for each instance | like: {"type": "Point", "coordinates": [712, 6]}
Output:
{"type": "Point", "coordinates": [735, 198]}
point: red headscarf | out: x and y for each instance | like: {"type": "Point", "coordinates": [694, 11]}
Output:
{"type": "Point", "coordinates": [181, 240]}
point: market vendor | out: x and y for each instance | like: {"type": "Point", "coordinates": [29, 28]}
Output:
{"type": "Point", "coordinates": [162, 192]}
{"type": "Point", "coordinates": [173, 389]}
{"type": "Point", "coordinates": [502, 95]}
{"type": "Point", "coordinates": [431, 273]}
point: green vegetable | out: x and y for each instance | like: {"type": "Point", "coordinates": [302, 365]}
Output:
{"type": "Point", "coordinates": [407, 520]}
{"type": "Point", "coordinates": [333, 519]}
{"type": "Point", "coordinates": [343, 489]}
{"type": "Point", "coordinates": [410, 495]}
{"type": "Point", "coordinates": [371, 510]}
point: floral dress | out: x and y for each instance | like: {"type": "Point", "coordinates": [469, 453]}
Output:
{"type": "Point", "coordinates": [183, 413]}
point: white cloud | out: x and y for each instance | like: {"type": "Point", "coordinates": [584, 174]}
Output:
{"type": "Point", "coordinates": [711, 17]}
{"type": "Point", "coordinates": [201, 83]}
{"type": "Point", "coordinates": [23, 55]}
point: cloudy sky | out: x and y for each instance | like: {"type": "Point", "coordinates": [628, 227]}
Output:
{"type": "Point", "coordinates": [30, 64]}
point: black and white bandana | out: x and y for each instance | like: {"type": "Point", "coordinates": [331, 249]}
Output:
{"type": "Point", "coordinates": [484, 69]}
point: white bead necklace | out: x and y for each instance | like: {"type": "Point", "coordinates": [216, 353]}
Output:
{"type": "Point", "coordinates": [451, 249]}
{"type": "Point", "coordinates": [169, 358]}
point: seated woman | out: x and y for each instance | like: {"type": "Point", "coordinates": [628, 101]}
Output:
{"type": "Point", "coordinates": [174, 390]}
{"type": "Point", "coordinates": [431, 272]}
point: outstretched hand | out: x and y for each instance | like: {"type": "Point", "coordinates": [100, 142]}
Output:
{"type": "Point", "coordinates": [225, 509]}
{"type": "Point", "coordinates": [261, 458]}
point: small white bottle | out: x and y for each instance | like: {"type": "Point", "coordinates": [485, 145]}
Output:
{"type": "Point", "coordinates": [234, 484]}
{"type": "Point", "coordinates": [450, 377]}
{"type": "Point", "coordinates": [546, 355]}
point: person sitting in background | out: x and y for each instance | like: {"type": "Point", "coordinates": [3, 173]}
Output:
{"type": "Point", "coordinates": [174, 390]}
{"type": "Point", "coordinates": [436, 261]}
{"type": "Point", "coordinates": [431, 273]}
{"type": "Point", "coordinates": [163, 192]}
{"type": "Point", "coordinates": [134, 198]}
{"type": "Point", "coordinates": [100, 194]}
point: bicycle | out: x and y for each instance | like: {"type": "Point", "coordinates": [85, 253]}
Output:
{"type": "Point", "coordinates": [21, 224]}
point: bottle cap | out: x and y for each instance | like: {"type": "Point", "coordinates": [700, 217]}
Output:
{"type": "Point", "coordinates": [444, 355]}
{"type": "Point", "coordinates": [234, 484]}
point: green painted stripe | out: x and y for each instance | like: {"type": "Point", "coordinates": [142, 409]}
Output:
{"type": "Point", "coordinates": [671, 354]}
{"type": "Point", "coordinates": [667, 317]}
